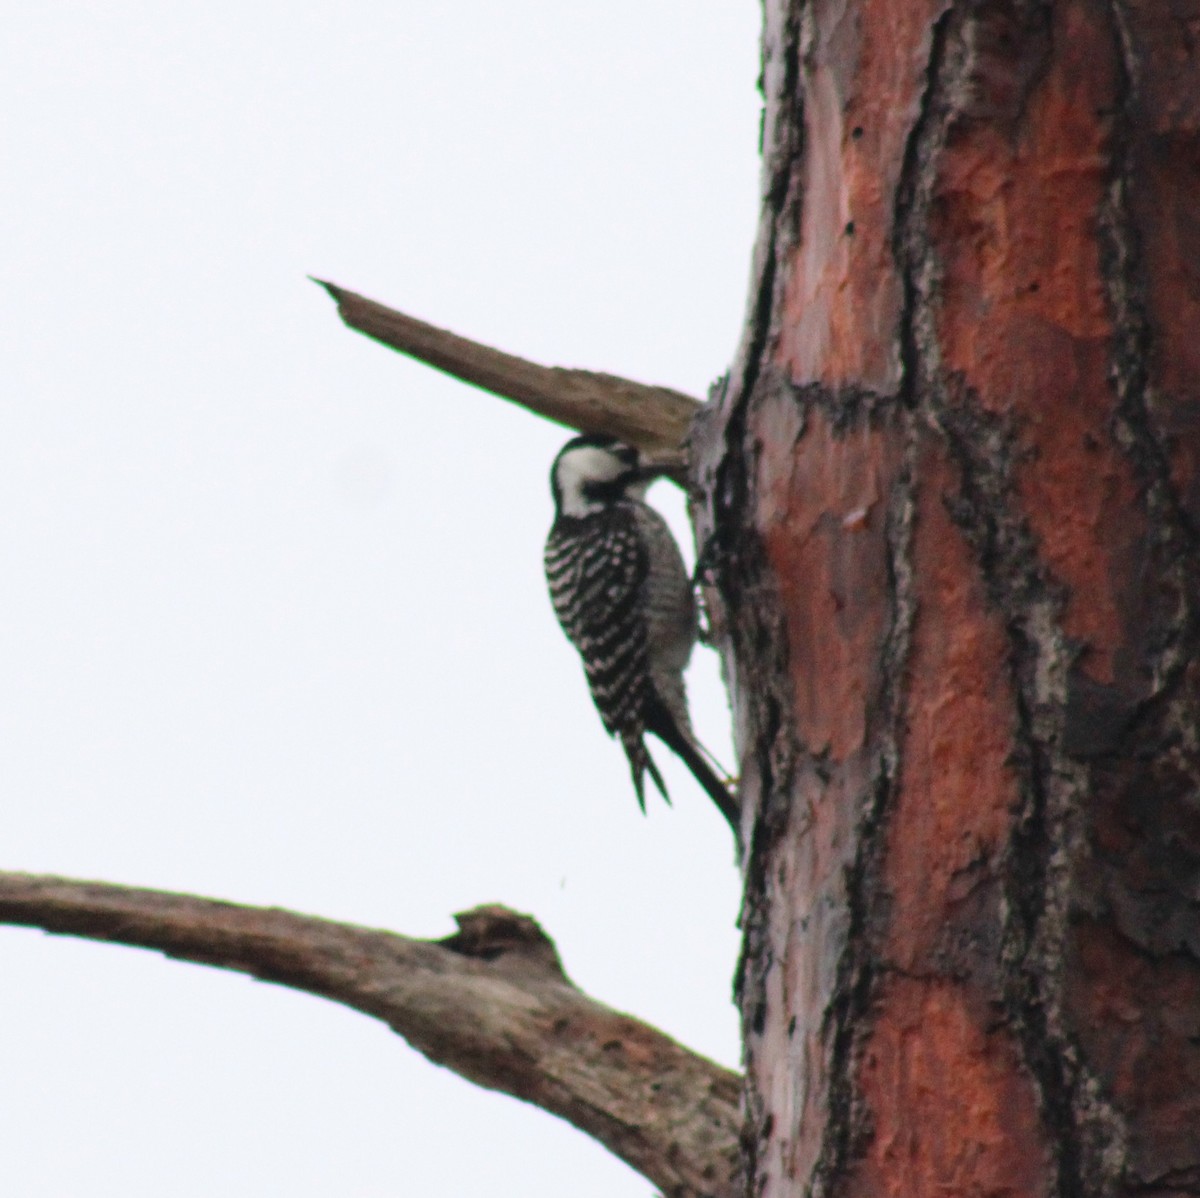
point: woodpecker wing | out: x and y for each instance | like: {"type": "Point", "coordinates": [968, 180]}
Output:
{"type": "Point", "coordinates": [596, 566]}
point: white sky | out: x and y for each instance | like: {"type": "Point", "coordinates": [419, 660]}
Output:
{"type": "Point", "coordinates": [274, 627]}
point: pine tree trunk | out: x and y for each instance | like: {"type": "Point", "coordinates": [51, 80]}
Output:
{"type": "Point", "coordinates": [950, 496]}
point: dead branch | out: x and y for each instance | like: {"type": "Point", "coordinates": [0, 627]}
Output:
{"type": "Point", "coordinates": [656, 419]}
{"type": "Point", "coordinates": [491, 1003]}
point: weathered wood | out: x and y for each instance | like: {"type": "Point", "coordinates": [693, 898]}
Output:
{"type": "Point", "coordinates": [492, 1003]}
{"type": "Point", "coordinates": [653, 418]}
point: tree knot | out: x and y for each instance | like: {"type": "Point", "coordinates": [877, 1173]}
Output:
{"type": "Point", "coordinates": [504, 937]}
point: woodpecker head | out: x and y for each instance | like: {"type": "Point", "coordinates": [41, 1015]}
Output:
{"type": "Point", "coordinates": [594, 470]}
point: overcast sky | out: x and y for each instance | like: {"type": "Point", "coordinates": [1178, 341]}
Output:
{"type": "Point", "coordinates": [273, 626]}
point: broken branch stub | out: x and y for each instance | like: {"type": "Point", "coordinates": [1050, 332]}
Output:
{"type": "Point", "coordinates": [655, 419]}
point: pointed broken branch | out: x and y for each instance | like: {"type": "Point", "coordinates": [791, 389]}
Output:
{"type": "Point", "coordinates": [491, 1003]}
{"type": "Point", "coordinates": [653, 418]}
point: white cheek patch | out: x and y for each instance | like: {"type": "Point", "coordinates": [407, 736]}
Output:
{"type": "Point", "coordinates": [588, 465]}
{"type": "Point", "coordinates": [580, 467]}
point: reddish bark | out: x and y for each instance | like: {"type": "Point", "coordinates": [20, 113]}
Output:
{"type": "Point", "coordinates": [950, 491]}
{"type": "Point", "coordinates": [957, 791]}
{"type": "Point", "coordinates": [954, 1112]}
{"type": "Point", "coordinates": [821, 519]}
{"type": "Point", "coordinates": [843, 291]}
{"type": "Point", "coordinates": [1162, 147]}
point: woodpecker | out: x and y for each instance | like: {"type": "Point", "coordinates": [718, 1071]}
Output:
{"type": "Point", "coordinates": [623, 597]}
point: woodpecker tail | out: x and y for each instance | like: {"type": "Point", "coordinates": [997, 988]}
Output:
{"type": "Point", "coordinates": [664, 726]}
{"type": "Point", "coordinates": [641, 763]}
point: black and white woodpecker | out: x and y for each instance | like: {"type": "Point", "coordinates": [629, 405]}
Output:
{"type": "Point", "coordinates": [624, 599]}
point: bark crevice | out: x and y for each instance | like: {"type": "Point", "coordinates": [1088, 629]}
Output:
{"type": "Point", "coordinates": [983, 447]}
